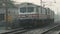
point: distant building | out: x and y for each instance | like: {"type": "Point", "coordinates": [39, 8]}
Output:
{"type": "Point", "coordinates": [11, 12]}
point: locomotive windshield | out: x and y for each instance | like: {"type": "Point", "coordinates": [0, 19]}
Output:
{"type": "Point", "coordinates": [23, 10]}
{"type": "Point", "coordinates": [26, 9]}
{"type": "Point", "coordinates": [30, 9]}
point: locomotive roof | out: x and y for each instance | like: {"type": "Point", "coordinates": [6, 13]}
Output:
{"type": "Point", "coordinates": [27, 3]}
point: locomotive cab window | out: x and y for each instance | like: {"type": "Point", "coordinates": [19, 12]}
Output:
{"type": "Point", "coordinates": [23, 10]}
{"type": "Point", "coordinates": [26, 9]}
{"type": "Point", "coordinates": [30, 9]}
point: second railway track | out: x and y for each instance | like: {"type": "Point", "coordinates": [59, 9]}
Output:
{"type": "Point", "coordinates": [53, 30]}
{"type": "Point", "coordinates": [15, 31]}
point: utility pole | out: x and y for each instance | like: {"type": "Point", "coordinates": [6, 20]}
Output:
{"type": "Point", "coordinates": [41, 6]}
{"type": "Point", "coordinates": [6, 14]}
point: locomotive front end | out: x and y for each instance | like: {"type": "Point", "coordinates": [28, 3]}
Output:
{"type": "Point", "coordinates": [28, 16]}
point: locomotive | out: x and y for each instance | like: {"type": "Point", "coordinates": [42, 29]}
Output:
{"type": "Point", "coordinates": [30, 14]}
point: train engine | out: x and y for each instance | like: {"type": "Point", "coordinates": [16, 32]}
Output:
{"type": "Point", "coordinates": [33, 15]}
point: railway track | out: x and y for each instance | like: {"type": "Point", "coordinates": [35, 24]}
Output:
{"type": "Point", "coordinates": [22, 30]}
{"type": "Point", "coordinates": [43, 30]}
{"type": "Point", "coordinates": [16, 31]}
{"type": "Point", "coordinates": [54, 30]}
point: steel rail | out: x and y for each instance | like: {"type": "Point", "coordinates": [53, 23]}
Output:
{"type": "Point", "coordinates": [50, 29]}
{"type": "Point", "coordinates": [19, 30]}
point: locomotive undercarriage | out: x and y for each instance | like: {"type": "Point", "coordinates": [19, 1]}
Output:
{"type": "Point", "coordinates": [32, 22]}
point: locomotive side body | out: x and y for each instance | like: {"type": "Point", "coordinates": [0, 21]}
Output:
{"type": "Point", "coordinates": [33, 15]}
